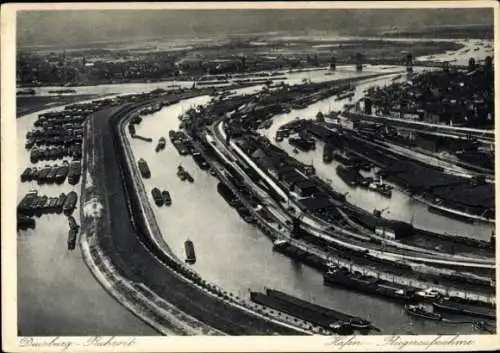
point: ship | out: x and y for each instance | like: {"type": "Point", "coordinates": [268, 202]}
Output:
{"type": "Point", "coordinates": [181, 173]}
{"type": "Point", "coordinates": [161, 144]}
{"type": "Point", "coordinates": [42, 176]}
{"type": "Point", "coordinates": [72, 234]}
{"type": "Point", "coordinates": [144, 169]}
{"type": "Point", "coordinates": [26, 175]}
{"type": "Point", "coordinates": [355, 322]}
{"type": "Point", "coordinates": [341, 277]}
{"type": "Point", "coordinates": [74, 172]}
{"type": "Point", "coordinates": [60, 202]}
{"type": "Point", "coordinates": [26, 92]}
{"type": "Point", "coordinates": [72, 223]}
{"type": "Point", "coordinates": [202, 163]}
{"type": "Point", "coordinates": [157, 196]}
{"type": "Point", "coordinates": [61, 91]}
{"type": "Point", "coordinates": [70, 203]}
{"type": "Point", "coordinates": [38, 208]}
{"type": "Point", "coordinates": [447, 306]}
{"type": "Point", "coordinates": [166, 197]}
{"type": "Point", "coordinates": [339, 158]}
{"type": "Point", "coordinates": [327, 153]}
{"type": "Point", "coordinates": [302, 144]}
{"type": "Point", "coordinates": [420, 311]}
{"type": "Point", "coordinates": [227, 194]}
{"type": "Point", "coordinates": [24, 222]}
{"type": "Point", "coordinates": [349, 175]}
{"type": "Point", "coordinates": [190, 254]}
{"type": "Point", "coordinates": [51, 176]}
{"type": "Point", "coordinates": [62, 173]}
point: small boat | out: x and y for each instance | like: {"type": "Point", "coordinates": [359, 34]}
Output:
{"type": "Point", "coordinates": [420, 311]}
{"type": "Point", "coordinates": [144, 169]}
{"type": "Point", "coordinates": [295, 151]}
{"type": "Point", "coordinates": [157, 196]}
{"type": "Point", "coordinates": [181, 173]}
{"type": "Point", "coordinates": [190, 254]}
{"type": "Point", "coordinates": [161, 144]}
{"type": "Point", "coordinates": [166, 198]}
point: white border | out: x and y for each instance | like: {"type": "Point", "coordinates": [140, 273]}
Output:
{"type": "Point", "coordinates": [182, 344]}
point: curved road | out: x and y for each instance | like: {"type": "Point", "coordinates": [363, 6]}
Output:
{"type": "Point", "coordinates": [137, 263]}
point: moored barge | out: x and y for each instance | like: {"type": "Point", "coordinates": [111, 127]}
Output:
{"type": "Point", "coordinates": [144, 169]}
{"type": "Point", "coordinates": [464, 309]}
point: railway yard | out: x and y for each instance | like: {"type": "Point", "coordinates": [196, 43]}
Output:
{"type": "Point", "coordinates": [370, 184]}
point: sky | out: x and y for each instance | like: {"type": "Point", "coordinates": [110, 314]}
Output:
{"type": "Point", "coordinates": [81, 27]}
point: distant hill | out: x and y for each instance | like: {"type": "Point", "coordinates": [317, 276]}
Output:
{"type": "Point", "coordinates": [67, 28]}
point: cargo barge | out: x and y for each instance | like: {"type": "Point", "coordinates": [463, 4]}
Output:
{"type": "Point", "coordinates": [341, 277]}
{"type": "Point", "coordinates": [464, 309]}
{"type": "Point", "coordinates": [72, 223]}
{"type": "Point", "coordinates": [157, 197]}
{"type": "Point", "coordinates": [423, 313]}
{"type": "Point", "coordinates": [144, 169]}
{"type": "Point", "coordinates": [349, 175]}
{"type": "Point", "coordinates": [306, 315]}
{"type": "Point", "coordinates": [24, 222]}
{"type": "Point", "coordinates": [167, 200]}
{"type": "Point", "coordinates": [75, 171]}
{"type": "Point", "coordinates": [453, 215]}
{"type": "Point", "coordinates": [72, 235]}
{"type": "Point", "coordinates": [70, 203]}
{"type": "Point", "coordinates": [227, 194]}
{"type": "Point", "coordinates": [327, 153]}
{"type": "Point", "coordinates": [190, 254]}
{"type": "Point", "coordinates": [181, 142]}
{"type": "Point", "coordinates": [302, 144]}
{"type": "Point", "coordinates": [200, 161]}
{"type": "Point", "coordinates": [355, 322]}
{"type": "Point", "coordinates": [61, 173]}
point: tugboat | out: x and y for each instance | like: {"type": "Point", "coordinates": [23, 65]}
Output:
{"type": "Point", "coordinates": [166, 198]}
{"type": "Point", "coordinates": [420, 311]}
